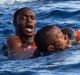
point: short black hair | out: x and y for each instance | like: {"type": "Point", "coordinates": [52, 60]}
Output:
{"type": "Point", "coordinates": [42, 39]}
{"type": "Point", "coordinates": [70, 32]}
{"type": "Point", "coordinates": [20, 11]}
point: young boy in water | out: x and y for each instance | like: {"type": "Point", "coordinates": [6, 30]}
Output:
{"type": "Point", "coordinates": [73, 36]}
{"type": "Point", "coordinates": [70, 33]}
{"type": "Point", "coordinates": [50, 39]}
{"type": "Point", "coordinates": [23, 41]}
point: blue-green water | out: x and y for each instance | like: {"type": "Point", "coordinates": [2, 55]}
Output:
{"type": "Point", "coordinates": [57, 12]}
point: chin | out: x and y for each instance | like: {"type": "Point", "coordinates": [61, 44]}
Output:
{"type": "Point", "coordinates": [29, 35]}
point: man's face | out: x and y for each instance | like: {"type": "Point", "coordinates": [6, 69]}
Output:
{"type": "Point", "coordinates": [59, 40]}
{"type": "Point", "coordinates": [26, 22]}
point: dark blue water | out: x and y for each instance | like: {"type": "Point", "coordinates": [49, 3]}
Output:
{"type": "Point", "coordinates": [56, 12]}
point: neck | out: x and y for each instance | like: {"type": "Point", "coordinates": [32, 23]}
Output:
{"type": "Point", "coordinates": [26, 39]}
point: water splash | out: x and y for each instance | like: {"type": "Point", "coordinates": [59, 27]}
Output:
{"type": "Point", "coordinates": [3, 2]}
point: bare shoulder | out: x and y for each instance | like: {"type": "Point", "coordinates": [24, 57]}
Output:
{"type": "Point", "coordinates": [13, 38]}
{"type": "Point", "coordinates": [13, 42]}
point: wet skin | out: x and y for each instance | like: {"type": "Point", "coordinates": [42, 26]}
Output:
{"type": "Point", "coordinates": [58, 39]}
{"type": "Point", "coordinates": [24, 26]}
{"type": "Point", "coordinates": [26, 22]}
{"type": "Point", "coordinates": [71, 34]}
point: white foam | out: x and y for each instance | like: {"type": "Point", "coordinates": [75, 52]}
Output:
{"type": "Point", "coordinates": [13, 1]}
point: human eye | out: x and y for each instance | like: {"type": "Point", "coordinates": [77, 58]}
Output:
{"type": "Point", "coordinates": [23, 17]}
{"type": "Point", "coordinates": [33, 17]}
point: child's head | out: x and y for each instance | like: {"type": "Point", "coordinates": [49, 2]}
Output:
{"type": "Point", "coordinates": [70, 33]}
{"type": "Point", "coordinates": [50, 38]}
{"type": "Point", "coordinates": [25, 21]}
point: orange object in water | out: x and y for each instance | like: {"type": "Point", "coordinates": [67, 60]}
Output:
{"type": "Point", "coordinates": [33, 46]}
{"type": "Point", "coordinates": [78, 35]}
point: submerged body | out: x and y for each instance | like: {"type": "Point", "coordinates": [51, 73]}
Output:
{"type": "Point", "coordinates": [50, 39]}
{"type": "Point", "coordinates": [73, 36]}
{"type": "Point", "coordinates": [22, 42]}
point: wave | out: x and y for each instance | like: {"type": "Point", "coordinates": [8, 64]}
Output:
{"type": "Point", "coordinates": [20, 73]}
{"type": "Point", "coordinates": [2, 2]}
{"type": "Point", "coordinates": [58, 14]}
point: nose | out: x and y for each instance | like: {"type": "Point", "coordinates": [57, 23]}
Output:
{"type": "Point", "coordinates": [29, 20]}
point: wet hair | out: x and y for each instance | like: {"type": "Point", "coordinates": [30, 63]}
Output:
{"type": "Point", "coordinates": [42, 39]}
{"type": "Point", "coordinates": [20, 11]}
{"type": "Point", "coordinates": [70, 32]}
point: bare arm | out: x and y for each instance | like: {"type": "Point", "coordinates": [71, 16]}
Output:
{"type": "Point", "coordinates": [14, 43]}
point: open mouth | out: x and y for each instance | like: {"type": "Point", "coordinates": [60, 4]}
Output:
{"type": "Point", "coordinates": [29, 29]}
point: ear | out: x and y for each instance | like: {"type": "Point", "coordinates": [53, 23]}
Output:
{"type": "Point", "coordinates": [50, 48]}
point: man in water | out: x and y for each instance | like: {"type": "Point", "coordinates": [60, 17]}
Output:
{"type": "Point", "coordinates": [23, 41]}
{"type": "Point", "coordinates": [50, 39]}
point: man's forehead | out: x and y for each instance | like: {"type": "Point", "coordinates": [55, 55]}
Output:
{"type": "Point", "coordinates": [27, 11]}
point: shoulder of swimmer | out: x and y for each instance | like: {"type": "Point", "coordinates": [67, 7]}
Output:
{"type": "Point", "coordinates": [14, 43]}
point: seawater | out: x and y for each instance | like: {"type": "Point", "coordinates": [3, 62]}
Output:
{"type": "Point", "coordinates": [57, 12]}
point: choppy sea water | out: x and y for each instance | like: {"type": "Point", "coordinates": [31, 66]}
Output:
{"type": "Point", "coordinates": [57, 12]}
